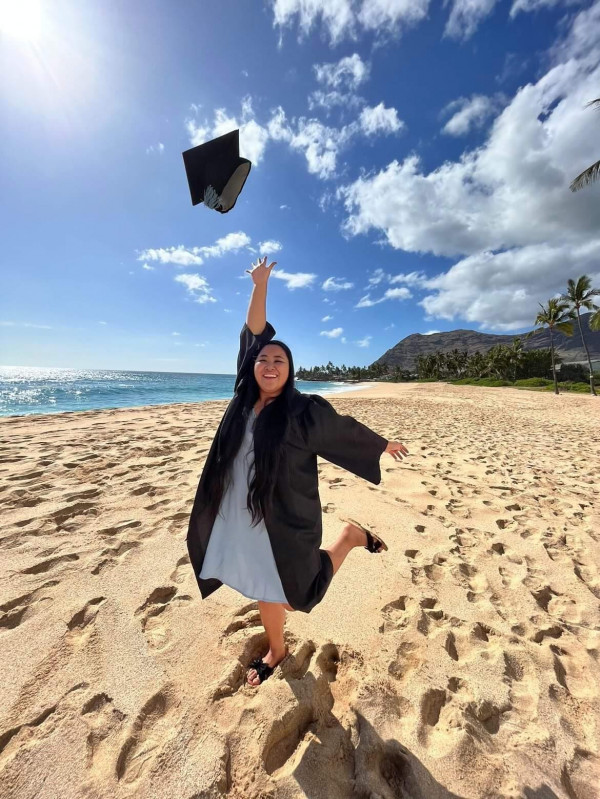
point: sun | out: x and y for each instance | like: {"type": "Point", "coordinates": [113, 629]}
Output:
{"type": "Point", "coordinates": [21, 19]}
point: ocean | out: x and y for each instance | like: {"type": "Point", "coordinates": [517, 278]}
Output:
{"type": "Point", "coordinates": [26, 390]}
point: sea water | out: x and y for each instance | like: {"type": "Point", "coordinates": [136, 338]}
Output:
{"type": "Point", "coordinates": [26, 390]}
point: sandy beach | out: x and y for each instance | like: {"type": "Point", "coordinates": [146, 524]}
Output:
{"type": "Point", "coordinates": [463, 662]}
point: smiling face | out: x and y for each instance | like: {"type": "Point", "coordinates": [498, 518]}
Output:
{"type": "Point", "coordinates": [271, 360]}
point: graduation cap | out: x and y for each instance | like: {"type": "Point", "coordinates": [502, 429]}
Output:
{"type": "Point", "coordinates": [216, 174]}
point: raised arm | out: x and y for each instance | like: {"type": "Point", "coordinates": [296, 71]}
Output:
{"type": "Point", "coordinates": [256, 318]}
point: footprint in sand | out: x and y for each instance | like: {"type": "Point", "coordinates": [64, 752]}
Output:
{"type": "Point", "coordinates": [104, 721]}
{"type": "Point", "coordinates": [111, 556]}
{"type": "Point", "coordinates": [14, 612]}
{"type": "Point", "coordinates": [572, 669]}
{"type": "Point", "coordinates": [146, 737]}
{"type": "Point", "coordinates": [155, 615]}
{"type": "Point", "coordinates": [181, 571]}
{"type": "Point", "coordinates": [78, 627]}
{"type": "Point", "coordinates": [51, 563]}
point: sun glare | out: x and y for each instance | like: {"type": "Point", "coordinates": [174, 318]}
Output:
{"type": "Point", "coordinates": [21, 19]}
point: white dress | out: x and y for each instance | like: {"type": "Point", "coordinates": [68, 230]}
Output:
{"type": "Point", "coordinates": [238, 554]}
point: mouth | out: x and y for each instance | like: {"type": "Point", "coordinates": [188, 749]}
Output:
{"type": "Point", "coordinates": [270, 377]}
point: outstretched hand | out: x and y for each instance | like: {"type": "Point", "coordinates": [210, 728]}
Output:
{"type": "Point", "coordinates": [260, 271]}
{"type": "Point", "coordinates": [396, 450]}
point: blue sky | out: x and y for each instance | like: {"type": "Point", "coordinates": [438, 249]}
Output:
{"type": "Point", "coordinates": [411, 164]}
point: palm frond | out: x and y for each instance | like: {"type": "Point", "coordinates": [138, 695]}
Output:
{"type": "Point", "coordinates": [564, 327]}
{"type": "Point", "coordinates": [588, 176]}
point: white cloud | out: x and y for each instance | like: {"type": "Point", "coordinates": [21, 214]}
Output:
{"type": "Point", "coordinates": [501, 291]}
{"type": "Point", "coordinates": [390, 294]}
{"type": "Point", "coordinates": [148, 267]}
{"type": "Point", "coordinates": [535, 5]}
{"type": "Point", "coordinates": [431, 332]}
{"type": "Point", "coordinates": [345, 74]}
{"type": "Point", "coordinates": [380, 120]}
{"type": "Point", "coordinates": [388, 15]}
{"type": "Point", "coordinates": [158, 148]}
{"type": "Point", "coordinates": [329, 100]}
{"type": "Point", "coordinates": [326, 318]}
{"type": "Point", "coordinates": [173, 255]}
{"type": "Point", "coordinates": [197, 286]}
{"type": "Point", "coordinates": [336, 15]}
{"type": "Point", "coordinates": [195, 256]}
{"type": "Point", "coordinates": [334, 284]}
{"type": "Point", "coordinates": [294, 280]}
{"type": "Point", "coordinates": [175, 334]}
{"type": "Point", "coordinates": [25, 324]}
{"type": "Point", "coordinates": [270, 247]}
{"type": "Point", "coordinates": [465, 17]}
{"type": "Point", "coordinates": [471, 113]}
{"type": "Point", "coordinates": [503, 209]}
{"type": "Point", "coordinates": [253, 137]}
{"type": "Point", "coordinates": [102, 323]}
{"type": "Point", "coordinates": [319, 143]}
{"type": "Point", "coordinates": [364, 342]}
{"type": "Point", "coordinates": [344, 18]}
{"type": "Point", "coordinates": [232, 242]}
{"type": "Point", "coordinates": [410, 279]}
{"type": "Point", "coordinates": [335, 333]}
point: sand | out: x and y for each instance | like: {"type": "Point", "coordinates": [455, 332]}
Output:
{"type": "Point", "coordinates": [463, 662]}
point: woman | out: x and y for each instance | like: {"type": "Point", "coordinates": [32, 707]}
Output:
{"type": "Point", "coordinates": [256, 521]}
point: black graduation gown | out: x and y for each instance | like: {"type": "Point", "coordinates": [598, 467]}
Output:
{"type": "Point", "coordinates": [294, 525]}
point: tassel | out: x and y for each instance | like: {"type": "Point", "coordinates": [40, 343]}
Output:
{"type": "Point", "coordinates": [211, 198]}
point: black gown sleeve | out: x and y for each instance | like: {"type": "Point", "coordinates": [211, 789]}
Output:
{"type": "Point", "coordinates": [343, 440]}
{"type": "Point", "coordinates": [250, 346]}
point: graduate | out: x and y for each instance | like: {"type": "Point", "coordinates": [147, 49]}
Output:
{"type": "Point", "coordinates": [256, 521]}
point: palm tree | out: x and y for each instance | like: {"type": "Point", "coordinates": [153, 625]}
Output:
{"type": "Point", "coordinates": [592, 173]}
{"type": "Point", "coordinates": [579, 295]}
{"type": "Point", "coordinates": [556, 316]}
{"type": "Point", "coordinates": [515, 356]}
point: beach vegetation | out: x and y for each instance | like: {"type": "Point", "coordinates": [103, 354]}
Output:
{"type": "Point", "coordinates": [556, 316]}
{"type": "Point", "coordinates": [580, 295]}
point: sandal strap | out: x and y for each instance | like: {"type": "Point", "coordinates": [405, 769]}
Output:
{"type": "Point", "coordinates": [262, 669]}
{"type": "Point", "coordinates": [373, 544]}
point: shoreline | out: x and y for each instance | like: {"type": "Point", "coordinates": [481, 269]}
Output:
{"type": "Point", "coordinates": [53, 414]}
{"type": "Point", "coordinates": [373, 390]}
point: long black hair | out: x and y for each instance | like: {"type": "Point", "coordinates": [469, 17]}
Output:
{"type": "Point", "coordinates": [269, 436]}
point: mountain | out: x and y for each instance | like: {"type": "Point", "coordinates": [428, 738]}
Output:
{"type": "Point", "coordinates": [405, 353]}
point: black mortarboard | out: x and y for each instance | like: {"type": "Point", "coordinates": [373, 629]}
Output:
{"type": "Point", "coordinates": [216, 174]}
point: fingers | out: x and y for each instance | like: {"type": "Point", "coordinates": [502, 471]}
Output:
{"type": "Point", "coordinates": [398, 451]}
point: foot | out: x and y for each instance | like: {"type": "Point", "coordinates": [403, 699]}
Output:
{"type": "Point", "coordinates": [272, 658]}
{"type": "Point", "coordinates": [358, 537]}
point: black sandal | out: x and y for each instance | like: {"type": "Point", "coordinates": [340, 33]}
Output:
{"type": "Point", "coordinates": [374, 542]}
{"type": "Point", "coordinates": [263, 670]}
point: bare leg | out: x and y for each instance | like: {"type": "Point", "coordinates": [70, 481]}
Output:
{"type": "Point", "coordinates": [272, 615]}
{"type": "Point", "coordinates": [349, 538]}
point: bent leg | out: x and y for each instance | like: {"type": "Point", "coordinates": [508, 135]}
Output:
{"type": "Point", "coordinates": [341, 547]}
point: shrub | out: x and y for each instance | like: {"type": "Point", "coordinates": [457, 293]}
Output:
{"type": "Point", "coordinates": [534, 382]}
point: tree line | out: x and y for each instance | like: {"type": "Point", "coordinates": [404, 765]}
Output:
{"type": "Point", "coordinates": [509, 363]}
